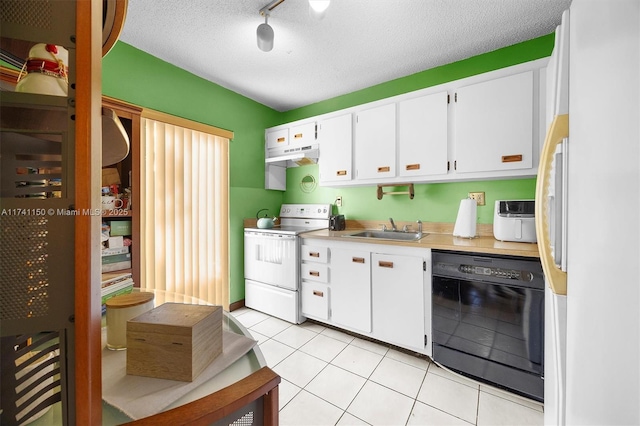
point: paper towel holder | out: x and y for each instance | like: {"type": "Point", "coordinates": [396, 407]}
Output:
{"type": "Point", "coordinates": [409, 192]}
{"type": "Point", "coordinates": [466, 221]}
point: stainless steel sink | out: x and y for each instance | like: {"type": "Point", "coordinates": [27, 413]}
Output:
{"type": "Point", "coordinates": [387, 235]}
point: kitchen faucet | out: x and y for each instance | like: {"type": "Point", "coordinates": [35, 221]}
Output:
{"type": "Point", "coordinates": [393, 224]}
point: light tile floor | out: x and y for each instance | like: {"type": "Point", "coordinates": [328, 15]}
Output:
{"type": "Point", "coordinates": [333, 378]}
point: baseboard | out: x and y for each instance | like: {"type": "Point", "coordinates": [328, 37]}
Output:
{"type": "Point", "coordinates": [236, 305]}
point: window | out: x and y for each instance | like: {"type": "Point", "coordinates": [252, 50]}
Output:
{"type": "Point", "coordinates": [185, 209]}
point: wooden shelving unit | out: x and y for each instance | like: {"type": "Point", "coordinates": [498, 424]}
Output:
{"type": "Point", "coordinates": [129, 171]}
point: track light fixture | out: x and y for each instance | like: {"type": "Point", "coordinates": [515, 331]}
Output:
{"type": "Point", "coordinates": [265, 34]}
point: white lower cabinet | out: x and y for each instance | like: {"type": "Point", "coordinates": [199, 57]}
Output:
{"type": "Point", "coordinates": [398, 299]}
{"type": "Point", "coordinates": [379, 291]}
{"type": "Point", "coordinates": [351, 288]}
{"type": "Point", "coordinates": [315, 300]}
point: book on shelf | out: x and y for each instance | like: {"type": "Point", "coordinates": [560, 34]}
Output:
{"type": "Point", "coordinates": [115, 284]}
{"type": "Point", "coordinates": [117, 290]}
{"type": "Point", "coordinates": [115, 258]}
{"type": "Point", "coordinates": [113, 251]}
{"type": "Point", "coordinates": [110, 277]}
{"type": "Point", "coordinates": [117, 266]}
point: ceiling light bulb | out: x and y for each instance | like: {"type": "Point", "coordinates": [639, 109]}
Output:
{"type": "Point", "coordinates": [318, 8]}
{"type": "Point", "coordinates": [265, 35]}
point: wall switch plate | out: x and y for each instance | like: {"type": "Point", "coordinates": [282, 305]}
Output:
{"type": "Point", "coordinates": [478, 196]}
{"type": "Point", "coordinates": [339, 201]}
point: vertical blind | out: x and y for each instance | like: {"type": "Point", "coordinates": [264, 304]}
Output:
{"type": "Point", "coordinates": [185, 211]}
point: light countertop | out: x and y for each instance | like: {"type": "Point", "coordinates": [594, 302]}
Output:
{"type": "Point", "coordinates": [438, 241]}
{"type": "Point", "coordinates": [439, 237]}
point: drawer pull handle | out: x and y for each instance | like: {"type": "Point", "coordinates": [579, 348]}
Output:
{"type": "Point", "coordinates": [297, 136]}
{"type": "Point", "coordinates": [318, 293]}
{"type": "Point", "coordinates": [314, 273]}
{"type": "Point", "coordinates": [341, 173]}
{"type": "Point", "coordinates": [413, 167]}
{"type": "Point", "coordinates": [357, 259]}
{"type": "Point", "coordinates": [281, 139]}
{"type": "Point", "coordinates": [384, 169]}
{"type": "Point", "coordinates": [511, 158]}
{"type": "Point", "coordinates": [314, 254]}
{"type": "Point", "coordinates": [385, 264]}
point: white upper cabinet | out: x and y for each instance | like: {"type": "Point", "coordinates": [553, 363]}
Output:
{"type": "Point", "coordinates": [375, 145]}
{"type": "Point", "coordinates": [487, 126]}
{"type": "Point", "coordinates": [422, 135]}
{"type": "Point", "coordinates": [335, 136]}
{"type": "Point", "coordinates": [494, 125]}
{"type": "Point", "coordinates": [302, 135]}
{"type": "Point", "coordinates": [277, 138]}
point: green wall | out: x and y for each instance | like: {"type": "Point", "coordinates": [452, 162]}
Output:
{"type": "Point", "coordinates": [139, 78]}
{"type": "Point", "coordinates": [432, 202]}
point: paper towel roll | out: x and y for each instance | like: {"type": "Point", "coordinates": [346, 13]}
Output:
{"type": "Point", "coordinates": [466, 222]}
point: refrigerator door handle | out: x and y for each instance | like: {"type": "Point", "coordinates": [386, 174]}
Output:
{"type": "Point", "coordinates": [558, 207]}
{"type": "Point", "coordinates": [558, 131]}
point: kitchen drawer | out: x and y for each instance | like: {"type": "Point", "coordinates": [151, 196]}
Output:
{"type": "Point", "coordinates": [315, 254]}
{"type": "Point", "coordinates": [315, 300]}
{"type": "Point", "coordinates": [315, 272]}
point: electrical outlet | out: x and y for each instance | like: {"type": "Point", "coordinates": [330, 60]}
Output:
{"type": "Point", "coordinates": [478, 196]}
{"type": "Point", "coordinates": [339, 201]}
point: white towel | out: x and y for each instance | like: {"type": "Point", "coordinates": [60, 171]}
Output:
{"type": "Point", "coordinates": [140, 397]}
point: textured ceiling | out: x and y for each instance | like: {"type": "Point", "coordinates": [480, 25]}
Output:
{"type": "Point", "coordinates": [358, 44]}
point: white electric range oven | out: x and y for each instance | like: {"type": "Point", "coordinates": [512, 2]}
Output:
{"type": "Point", "coordinates": [272, 260]}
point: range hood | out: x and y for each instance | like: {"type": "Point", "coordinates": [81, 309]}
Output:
{"type": "Point", "coordinates": [293, 157]}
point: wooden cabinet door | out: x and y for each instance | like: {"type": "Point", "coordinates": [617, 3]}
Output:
{"type": "Point", "coordinates": [398, 299]}
{"type": "Point", "coordinates": [335, 137]}
{"type": "Point", "coordinates": [422, 135]}
{"type": "Point", "coordinates": [351, 288]}
{"type": "Point", "coordinates": [494, 125]}
{"type": "Point", "coordinates": [376, 142]}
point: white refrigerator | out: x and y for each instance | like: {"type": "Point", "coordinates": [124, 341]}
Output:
{"type": "Point", "coordinates": [587, 217]}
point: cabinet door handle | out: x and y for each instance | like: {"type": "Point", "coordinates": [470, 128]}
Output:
{"type": "Point", "coordinates": [314, 254]}
{"type": "Point", "coordinates": [318, 293]}
{"type": "Point", "coordinates": [384, 169]}
{"type": "Point", "coordinates": [281, 139]}
{"type": "Point", "coordinates": [341, 173]}
{"type": "Point", "coordinates": [385, 264]}
{"type": "Point", "coordinates": [511, 158]}
{"type": "Point", "coordinates": [297, 136]}
{"type": "Point", "coordinates": [413, 167]}
{"type": "Point", "coordinates": [357, 259]}
{"type": "Point", "coordinates": [314, 273]}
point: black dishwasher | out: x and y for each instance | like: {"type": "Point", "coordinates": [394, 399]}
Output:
{"type": "Point", "coordinates": [488, 319]}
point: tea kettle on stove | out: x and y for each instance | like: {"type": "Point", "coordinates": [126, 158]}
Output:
{"type": "Point", "coordinates": [265, 222]}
